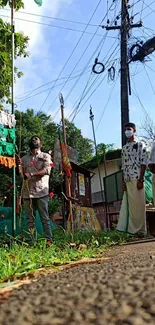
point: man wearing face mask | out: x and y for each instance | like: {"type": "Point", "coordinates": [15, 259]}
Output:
{"type": "Point", "coordinates": [36, 168]}
{"type": "Point", "coordinates": [132, 218]}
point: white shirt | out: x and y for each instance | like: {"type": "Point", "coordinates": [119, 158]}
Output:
{"type": "Point", "coordinates": [133, 156]}
{"type": "Point", "coordinates": [37, 186]}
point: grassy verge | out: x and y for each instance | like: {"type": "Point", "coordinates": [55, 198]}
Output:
{"type": "Point", "coordinates": [18, 258]}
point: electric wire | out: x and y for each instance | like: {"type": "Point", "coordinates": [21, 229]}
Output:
{"type": "Point", "coordinates": [93, 90]}
{"type": "Point", "coordinates": [96, 78]}
{"type": "Point", "coordinates": [77, 63]}
{"type": "Point", "coordinates": [146, 7]}
{"type": "Point", "coordinates": [52, 18]}
{"type": "Point", "coordinates": [94, 82]}
{"type": "Point", "coordinates": [150, 68]}
{"type": "Point", "coordinates": [71, 55]}
{"type": "Point", "coordinates": [138, 97]}
{"type": "Point", "coordinates": [53, 26]}
{"type": "Point", "coordinates": [76, 82]}
{"type": "Point", "coordinates": [29, 92]}
{"type": "Point", "coordinates": [142, 9]}
{"type": "Point", "coordinates": [43, 91]}
{"type": "Point", "coordinates": [71, 74]}
{"type": "Point", "coordinates": [104, 38]}
{"type": "Point", "coordinates": [82, 96]}
{"type": "Point", "coordinates": [104, 109]}
{"type": "Point", "coordinates": [149, 80]}
{"type": "Point", "coordinates": [92, 93]}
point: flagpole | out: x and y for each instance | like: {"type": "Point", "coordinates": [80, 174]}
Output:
{"type": "Point", "coordinates": [13, 111]}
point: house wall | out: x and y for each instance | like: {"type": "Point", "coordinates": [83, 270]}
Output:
{"type": "Point", "coordinates": [111, 167]}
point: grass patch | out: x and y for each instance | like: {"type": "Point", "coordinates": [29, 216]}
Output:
{"type": "Point", "coordinates": [18, 258]}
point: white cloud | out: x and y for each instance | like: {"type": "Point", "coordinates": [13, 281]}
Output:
{"type": "Point", "coordinates": [39, 62]}
{"type": "Point", "coordinates": [34, 31]}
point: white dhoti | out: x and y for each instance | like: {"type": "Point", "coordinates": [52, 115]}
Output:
{"type": "Point", "coordinates": [132, 218]}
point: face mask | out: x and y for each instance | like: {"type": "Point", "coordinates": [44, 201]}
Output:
{"type": "Point", "coordinates": [34, 144]}
{"type": "Point", "coordinates": [129, 133]}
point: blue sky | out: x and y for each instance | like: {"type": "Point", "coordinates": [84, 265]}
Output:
{"type": "Point", "coordinates": [51, 47]}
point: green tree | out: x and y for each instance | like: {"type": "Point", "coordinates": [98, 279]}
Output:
{"type": "Point", "coordinates": [18, 3]}
{"type": "Point", "coordinates": [75, 139]}
{"type": "Point", "coordinates": [29, 124]}
{"type": "Point", "coordinates": [103, 148]}
{"type": "Point", "coordinates": [21, 43]}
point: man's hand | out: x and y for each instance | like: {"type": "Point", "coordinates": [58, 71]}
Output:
{"type": "Point", "coordinates": [140, 185]}
{"type": "Point", "coordinates": [26, 176]}
{"type": "Point", "coordinates": [152, 168]}
{"type": "Point", "coordinates": [124, 187]}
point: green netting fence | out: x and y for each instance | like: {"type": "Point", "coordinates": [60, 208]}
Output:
{"type": "Point", "coordinates": [113, 187]}
{"type": "Point", "coordinates": [22, 229]}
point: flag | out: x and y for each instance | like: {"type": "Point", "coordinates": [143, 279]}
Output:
{"type": "Point", "coordinates": [65, 161]}
{"type": "Point", "coordinates": [38, 2]}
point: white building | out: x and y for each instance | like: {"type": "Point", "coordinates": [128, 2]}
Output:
{"type": "Point", "coordinates": [108, 165]}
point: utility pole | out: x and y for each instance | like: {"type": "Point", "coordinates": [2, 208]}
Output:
{"type": "Point", "coordinates": [99, 172]}
{"type": "Point", "coordinates": [13, 111]}
{"type": "Point", "coordinates": [124, 72]}
{"type": "Point", "coordinates": [124, 78]}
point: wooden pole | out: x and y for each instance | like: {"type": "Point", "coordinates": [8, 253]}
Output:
{"type": "Point", "coordinates": [124, 80]}
{"type": "Point", "coordinates": [13, 111]}
{"type": "Point", "coordinates": [63, 119]}
{"type": "Point", "coordinates": [124, 72]}
{"type": "Point", "coordinates": [68, 180]}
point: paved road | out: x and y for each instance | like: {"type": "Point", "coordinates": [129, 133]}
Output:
{"type": "Point", "coordinates": [119, 290]}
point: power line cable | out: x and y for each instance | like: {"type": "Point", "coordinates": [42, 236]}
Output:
{"type": "Point", "coordinates": [59, 27]}
{"type": "Point", "coordinates": [78, 61]}
{"type": "Point", "coordinates": [92, 93]}
{"type": "Point", "coordinates": [149, 80]}
{"type": "Point", "coordinates": [114, 2]}
{"type": "Point", "coordinates": [143, 9]}
{"type": "Point", "coordinates": [104, 38]}
{"type": "Point", "coordinates": [149, 6]}
{"type": "Point", "coordinates": [149, 67]}
{"type": "Point", "coordinates": [41, 92]}
{"type": "Point", "coordinates": [72, 72]}
{"type": "Point", "coordinates": [104, 109]}
{"type": "Point", "coordinates": [52, 18]}
{"type": "Point", "coordinates": [82, 96]}
{"type": "Point", "coordinates": [28, 93]}
{"type": "Point", "coordinates": [93, 90]}
{"type": "Point", "coordinates": [71, 54]}
{"type": "Point", "coordinates": [93, 83]}
{"type": "Point", "coordinates": [137, 96]}
{"type": "Point", "coordinates": [146, 7]}
{"type": "Point", "coordinates": [54, 26]}
{"type": "Point", "coordinates": [96, 79]}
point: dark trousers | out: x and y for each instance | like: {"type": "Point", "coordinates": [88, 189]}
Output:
{"type": "Point", "coordinates": [40, 204]}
